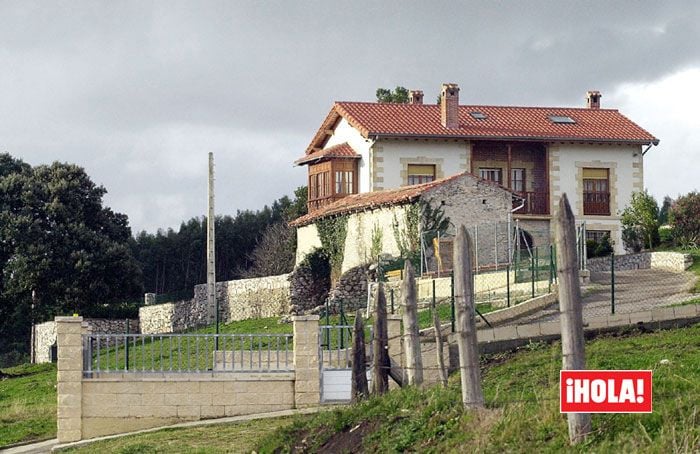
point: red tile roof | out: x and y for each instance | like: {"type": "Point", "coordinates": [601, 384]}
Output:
{"type": "Point", "coordinates": [377, 199]}
{"type": "Point", "coordinates": [342, 150]}
{"type": "Point", "coordinates": [502, 123]}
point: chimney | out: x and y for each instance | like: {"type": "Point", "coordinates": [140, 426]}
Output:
{"type": "Point", "coordinates": [593, 99]}
{"type": "Point", "coordinates": [415, 97]}
{"type": "Point", "coordinates": [449, 106]}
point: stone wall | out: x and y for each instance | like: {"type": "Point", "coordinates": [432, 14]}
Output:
{"type": "Point", "coordinates": [673, 261]}
{"type": "Point", "coordinates": [45, 333]}
{"type": "Point", "coordinates": [238, 300]}
{"type": "Point", "coordinates": [351, 289]}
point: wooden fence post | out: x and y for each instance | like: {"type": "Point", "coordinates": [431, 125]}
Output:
{"type": "Point", "coordinates": [409, 300]}
{"type": "Point", "coordinates": [472, 394]}
{"type": "Point", "coordinates": [380, 345]}
{"type": "Point", "coordinates": [438, 344]}
{"type": "Point", "coordinates": [571, 316]}
{"type": "Point", "coordinates": [360, 388]}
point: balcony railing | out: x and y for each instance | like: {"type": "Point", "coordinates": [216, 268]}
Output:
{"type": "Point", "coordinates": [535, 203]}
{"type": "Point", "coordinates": [596, 203]}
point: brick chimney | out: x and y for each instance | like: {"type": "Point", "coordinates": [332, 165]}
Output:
{"type": "Point", "coordinates": [415, 97]}
{"type": "Point", "coordinates": [449, 106]}
{"type": "Point", "coordinates": [593, 99]}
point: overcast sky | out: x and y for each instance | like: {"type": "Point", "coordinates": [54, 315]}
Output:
{"type": "Point", "coordinates": [138, 93]}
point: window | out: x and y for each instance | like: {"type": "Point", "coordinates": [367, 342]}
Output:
{"type": "Point", "coordinates": [596, 235]}
{"type": "Point", "coordinates": [517, 180]}
{"type": "Point", "coordinates": [562, 119]}
{"type": "Point", "coordinates": [345, 182]}
{"type": "Point", "coordinates": [478, 115]}
{"type": "Point", "coordinates": [596, 191]}
{"type": "Point", "coordinates": [492, 175]}
{"type": "Point", "coordinates": [420, 173]}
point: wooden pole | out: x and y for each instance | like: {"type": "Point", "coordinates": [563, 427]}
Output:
{"type": "Point", "coordinates": [380, 345]}
{"type": "Point", "coordinates": [360, 389]}
{"type": "Point", "coordinates": [438, 343]}
{"type": "Point", "coordinates": [414, 360]}
{"type": "Point", "coordinates": [571, 316]}
{"type": "Point", "coordinates": [472, 394]}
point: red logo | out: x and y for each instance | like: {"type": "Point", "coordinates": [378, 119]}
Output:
{"type": "Point", "coordinates": [605, 391]}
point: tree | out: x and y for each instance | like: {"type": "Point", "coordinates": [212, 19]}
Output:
{"type": "Point", "coordinates": [58, 241]}
{"type": "Point", "coordinates": [640, 222]}
{"type": "Point", "coordinates": [664, 211]}
{"type": "Point", "coordinates": [684, 216]}
{"type": "Point", "coordinates": [275, 253]}
{"type": "Point", "coordinates": [398, 95]}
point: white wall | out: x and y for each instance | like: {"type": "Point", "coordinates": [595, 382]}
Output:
{"type": "Point", "coordinates": [626, 176]}
{"type": "Point", "coordinates": [307, 241]}
{"type": "Point", "coordinates": [346, 133]}
{"type": "Point", "coordinates": [361, 228]}
{"type": "Point", "coordinates": [452, 157]}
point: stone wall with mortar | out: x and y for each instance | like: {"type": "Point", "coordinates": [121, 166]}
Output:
{"type": "Point", "coordinates": [673, 261]}
{"type": "Point", "coordinates": [45, 333]}
{"type": "Point", "coordinates": [238, 300]}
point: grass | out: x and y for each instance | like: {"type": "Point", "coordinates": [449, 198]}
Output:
{"type": "Point", "coordinates": [219, 438]}
{"type": "Point", "coordinates": [28, 403]}
{"type": "Point", "coordinates": [522, 412]}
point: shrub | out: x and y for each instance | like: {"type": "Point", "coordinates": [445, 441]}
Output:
{"type": "Point", "coordinates": [685, 219]}
{"type": "Point", "coordinates": [640, 222]}
{"type": "Point", "coordinates": [600, 248]}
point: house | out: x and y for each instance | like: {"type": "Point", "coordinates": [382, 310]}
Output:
{"type": "Point", "coordinates": [592, 154]}
{"type": "Point", "coordinates": [383, 219]}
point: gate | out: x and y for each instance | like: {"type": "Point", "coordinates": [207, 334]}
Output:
{"type": "Point", "coordinates": [336, 363]}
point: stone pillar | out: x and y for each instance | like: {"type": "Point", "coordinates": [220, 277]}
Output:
{"type": "Point", "coordinates": [307, 370]}
{"type": "Point", "coordinates": [70, 376]}
{"type": "Point", "coordinates": [149, 299]}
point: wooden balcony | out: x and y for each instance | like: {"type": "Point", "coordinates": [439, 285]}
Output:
{"type": "Point", "coordinates": [536, 203]}
{"type": "Point", "coordinates": [596, 203]}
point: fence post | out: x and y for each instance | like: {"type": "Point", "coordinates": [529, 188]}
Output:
{"type": "Point", "coordinates": [360, 389]}
{"type": "Point", "coordinates": [508, 285]}
{"type": "Point", "coordinates": [570, 308]}
{"type": "Point", "coordinates": [612, 282]}
{"type": "Point", "coordinates": [452, 299]}
{"type": "Point", "coordinates": [409, 300]}
{"type": "Point", "coordinates": [433, 307]}
{"type": "Point", "coordinates": [307, 386]}
{"type": "Point", "coordinates": [391, 292]}
{"type": "Point", "coordinates": [532, 272]}
{"type": "Point", "coordinates": [551, 269]}
{"type": "Point", "coordinates": [126, 347]}
{"type": "Point", "coordinates": [69, 386]}
{"type": "Point", "coordinates": [472, 394]}
{"type": "Point", "coordinates": [380, 347]}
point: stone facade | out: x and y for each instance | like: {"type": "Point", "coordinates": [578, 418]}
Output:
{"type": "Point", "coordinates": [308, 291]}
{"type": "Point", "coordinates": [238, 300]}
{"type": "Point", "coordinates": [351, 289]}
{"type": "Point", "coordinates": [45, 334]}
{"type": "Point", "coordinates": [673, 261]}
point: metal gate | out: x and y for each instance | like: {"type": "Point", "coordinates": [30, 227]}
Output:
{"type": "Point", "coordinates": [336, 362]}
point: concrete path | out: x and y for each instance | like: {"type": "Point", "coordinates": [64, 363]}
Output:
{"type": "Point", "coordinates": [51, 445]}
{"type": "Point", "coordinates": [635, 291]}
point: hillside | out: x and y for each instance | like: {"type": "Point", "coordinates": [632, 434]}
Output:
{"type": "Point", "coordinates": [522, 414]}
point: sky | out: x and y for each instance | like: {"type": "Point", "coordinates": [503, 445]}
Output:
{"type": "Point", "coordinates": [138, 93]}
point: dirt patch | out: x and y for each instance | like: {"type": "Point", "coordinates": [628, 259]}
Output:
{"type": "Point", "coordinates": [349, 440]}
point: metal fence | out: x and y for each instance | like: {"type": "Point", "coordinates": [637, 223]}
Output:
{"type": "Point", "coordinates": [186, 353]}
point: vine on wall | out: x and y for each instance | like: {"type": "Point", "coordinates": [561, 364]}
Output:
{"type": "Point", "coordinates": [332, 233]}
{"type": "Point", "coordinates": [419, 217]}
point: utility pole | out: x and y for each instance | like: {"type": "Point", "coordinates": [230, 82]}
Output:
{"type": "Point", "coordinates": [570, 308]}
{"type": "Point", "coordinates": [212, 310]}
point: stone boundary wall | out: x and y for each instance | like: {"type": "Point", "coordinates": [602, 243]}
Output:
{"type": "Point", "coordinates": [673, 261]}
{"type": "Point", "coordinates": [45, 334]}
{"type": "Point", "coordinates": [241, 299]}
{"type": "Point", "coordinates": [523, 309]}
{"type": "Point", "coordinates": [118, 402]}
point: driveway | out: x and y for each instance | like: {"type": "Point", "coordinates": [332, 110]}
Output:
{"type": "Point", "coordinates": [635, 291]}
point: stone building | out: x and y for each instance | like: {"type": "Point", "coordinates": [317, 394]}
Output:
{"type": "Point", "coordinates": [594, 155]}
{"type": "Point", "coordinates": [379, 219]}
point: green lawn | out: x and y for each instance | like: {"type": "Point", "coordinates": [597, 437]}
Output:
{"type": "Point", "coordinates": [28, 403]}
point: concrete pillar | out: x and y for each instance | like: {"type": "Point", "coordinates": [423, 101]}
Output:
{"type": "Point", "coordinates": [307, 370]}
{"type": "Point", "coordinates": [149, 299]}
{"type": "Point", "coordinates": [70, 376]}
